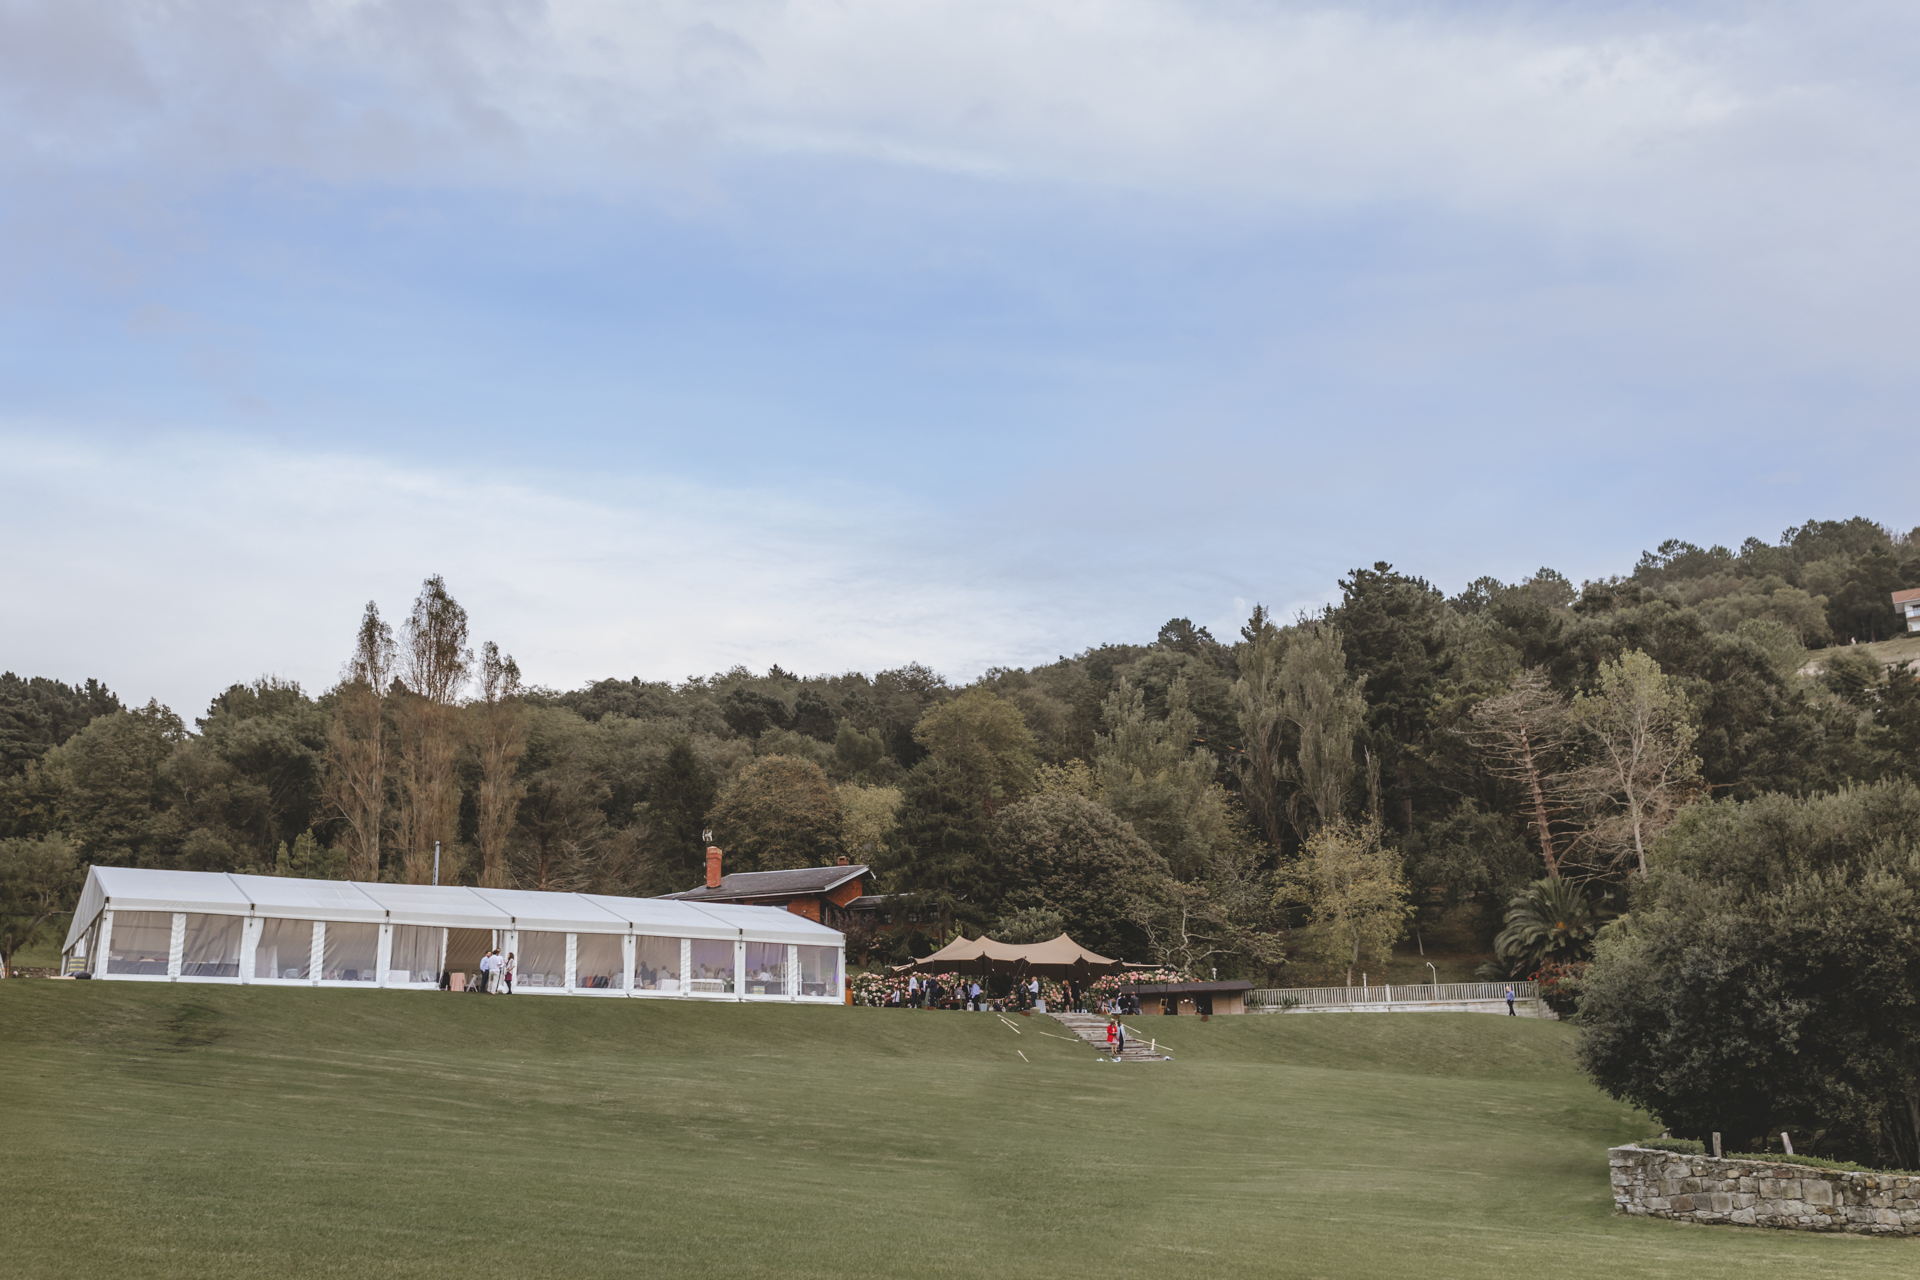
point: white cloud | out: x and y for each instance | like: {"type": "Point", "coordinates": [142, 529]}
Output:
{"type": "Point", "coordinates": [1307, 102]}
{"type": "Point", "coordinates": [1764, 145]}
{"type": "Point", "coordinates": [174, 568]}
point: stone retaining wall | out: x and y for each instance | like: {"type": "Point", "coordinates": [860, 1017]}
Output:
{"type": "Point", "coordinates": [1759, 1193]}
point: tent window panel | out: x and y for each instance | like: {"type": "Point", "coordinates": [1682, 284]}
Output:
{"type": "Point", "coordinates": [286, 949]}
{"type": "Point", "coordinates": [542, 960]}
{"type": "Point", "coordinates": [140, 942]}
{"type": "Point", "coordinates": [766, 969]}
{"type": "Point", "coordinates": [212, 947]}
{"type": "Point", "coordinates": [351, 953]}
{"type": "Point", "coordinates": [656, 964]}
{"type": "Point", "coordinates": [712, 962]}
{"type": "Point", "coordinates": [819, 971]}
{"type": "Point", "coordinates": [597, 961]}
{"type": "Point", "coordinates": [416, 954]}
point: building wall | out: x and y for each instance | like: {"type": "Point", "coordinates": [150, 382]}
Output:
{"type": "Point", "coordinates": [1224, 1002]}
{"type": "Point", "coordinates": [1758, 1193]}
{"type": "Point", "coordinates": [1521, 1008]}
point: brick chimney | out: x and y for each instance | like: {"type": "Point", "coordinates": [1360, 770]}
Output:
{"type": "Point", "coordinates": [843, 859]}
{"type": "Point", "coordinates": [713, 867]}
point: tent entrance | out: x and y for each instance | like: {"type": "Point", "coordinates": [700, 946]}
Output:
{"type": "Point", "coordinates": [465, 947]}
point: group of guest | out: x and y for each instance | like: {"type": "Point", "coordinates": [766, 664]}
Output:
{"type": "Point", "coordinates": [966, 993]}
{"type": "Point", "coordinates": [495, 976]}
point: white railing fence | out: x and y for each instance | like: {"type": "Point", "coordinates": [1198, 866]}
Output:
{"type": "Point", "coordinates": [1422, 993]}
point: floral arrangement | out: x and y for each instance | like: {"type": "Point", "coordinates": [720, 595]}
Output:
{"type": "Point", "coordinates": [1108, 987]}
{"type": "Point", "coordinates": [875, 988]}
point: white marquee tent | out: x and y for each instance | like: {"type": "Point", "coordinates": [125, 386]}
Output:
{"type": "Point", "coordinates": [202, 926]}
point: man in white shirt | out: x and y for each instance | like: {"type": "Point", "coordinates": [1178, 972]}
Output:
{"type": "Point", "coordinates": [486, 971]}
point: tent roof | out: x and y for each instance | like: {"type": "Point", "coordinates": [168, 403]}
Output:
{"type": "Point", "coordinates": [450, 906]}
{"type": "Point", "coordinates": [1056, 957]}
{"type": "Point", "coordinates": [1067, 954]}
{"type": "Point", "coordinates": [537, 909]}
{"type": "Point", "coordinates": [289, 898]}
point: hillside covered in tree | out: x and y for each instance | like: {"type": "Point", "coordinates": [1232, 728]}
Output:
{"type": "Point", "coordinates": [1181, 797]}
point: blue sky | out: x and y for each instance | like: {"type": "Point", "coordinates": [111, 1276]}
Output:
{"type": "Point", "coordinates": [841, 335]}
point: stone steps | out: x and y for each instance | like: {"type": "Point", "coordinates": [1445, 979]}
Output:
{"type": "Point", "coordinates": [1092, 1029]}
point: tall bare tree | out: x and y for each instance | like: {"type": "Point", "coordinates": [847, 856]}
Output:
{"type": "Point", "coordinates": [427, 798]}
{"type": "Point", "coordinates": [1639, 729]}
{"type": "Point", "coordinates": [438, 658]}
{"type": "Point", "coordinates": [1523, 735]}
{"type": "Point", "coordinates": [356, 754]}
{"type": "Point", "coordinates": [500, 739]}
{"type": "Point", "coordinates": [437, 662]}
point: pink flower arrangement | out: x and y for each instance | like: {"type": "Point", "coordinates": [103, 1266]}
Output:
{"type": "Point", "coordinates": [1108, 987]}
{"type": "Point", "coordinates": [874, 988]}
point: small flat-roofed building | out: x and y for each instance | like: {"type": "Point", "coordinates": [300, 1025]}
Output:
{"type": "Point", "coordinates": [1191, 997]}
{"type": "Point", "coordinates": [1908, 603]}
{"type": "Point", "coordinates": [195, 926]}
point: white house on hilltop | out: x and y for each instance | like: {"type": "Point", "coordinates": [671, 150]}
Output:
{"type": "Point", "coordinates": [1908, 603]}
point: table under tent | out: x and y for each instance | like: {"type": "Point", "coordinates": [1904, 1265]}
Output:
{"type": "Point", "coordinates": [199, 926]}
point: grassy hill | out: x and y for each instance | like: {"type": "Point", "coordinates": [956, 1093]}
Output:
{"type": "Point", "coordinates": [1899, 649]}
{"type": "Point", "coordinates": [198, 1131]}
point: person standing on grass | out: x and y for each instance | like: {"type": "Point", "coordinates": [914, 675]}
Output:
{"type": "Point", "coordinates": [913, 989]}
{"type": "Point", "coordinates": [486, 971]}
{"type": "Point", "coordinates": [1510, 1012]}
{"type": "Point", "coordinates": [506, 972]}
{"type": "Point", "coordinates": [1113, 1030]}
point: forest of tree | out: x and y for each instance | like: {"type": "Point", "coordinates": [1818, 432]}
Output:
{"type": "Point", "coordinates": [1188, 799]}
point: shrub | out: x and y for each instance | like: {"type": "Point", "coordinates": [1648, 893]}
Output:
{"type": "Point", "coordinates": [1560, 986]}
{"type": "Point", "coordinates": [1768, 979]}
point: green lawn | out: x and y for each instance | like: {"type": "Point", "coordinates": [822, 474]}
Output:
{"type": "Point", "coordinates": [158, 1130]}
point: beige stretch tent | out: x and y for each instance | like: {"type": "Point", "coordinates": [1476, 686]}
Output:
{"type": "Point", "coordinates": [140, 924]}
{"type": "Point", "coordinates": [1059, 957]}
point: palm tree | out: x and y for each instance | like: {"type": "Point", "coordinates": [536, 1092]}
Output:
{"type": "Point", "coordinates": [1551, 920]}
